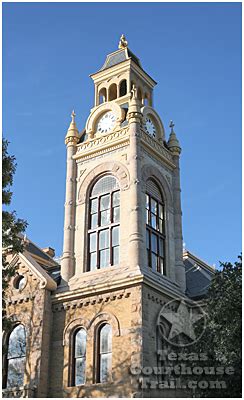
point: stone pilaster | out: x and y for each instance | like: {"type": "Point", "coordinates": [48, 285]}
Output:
{"type": "Point", "coordinates": [135, 234]}
{"type": "Point", "coordinates": [174, 147]}
{"type": "Point", "coordinates": [68, 259]}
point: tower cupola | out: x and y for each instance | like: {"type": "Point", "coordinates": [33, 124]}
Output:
{"type": "Point", "coordinates": [122, 69]}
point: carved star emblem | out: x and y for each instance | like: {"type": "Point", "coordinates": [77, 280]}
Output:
{"type": "Point", "coordinates": [182, 321]}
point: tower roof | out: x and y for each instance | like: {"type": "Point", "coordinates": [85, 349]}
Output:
{"type": "Point", "coordinates": [119, 56]}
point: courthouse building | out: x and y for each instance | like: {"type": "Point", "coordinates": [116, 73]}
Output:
{"type": "Point", "coordinates": [78, 327]}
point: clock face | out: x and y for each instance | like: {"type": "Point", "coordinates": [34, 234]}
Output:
{"type": "Point", "coordinates": [106, 123]}
{"type": "Point", "coordinates": [150, 127]}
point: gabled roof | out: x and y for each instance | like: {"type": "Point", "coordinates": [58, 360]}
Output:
{"type": "Point", "coordinates": [198, 276]}
{"type": "Point", "coordinates": [46, 282]}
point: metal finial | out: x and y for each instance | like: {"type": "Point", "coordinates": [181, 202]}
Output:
{"type": "Point", "coordinates": [171, 125]}
{"type": "Point", "coordinates": [123, 42]}
{"type": "Point", "coordinates": [73, 114]}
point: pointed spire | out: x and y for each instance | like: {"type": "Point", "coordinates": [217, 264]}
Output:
{"type": "Point", "coordinates": [73, 115]}
{"type": "Point", "coordinates": [173, 142]}
{"type": "Point", "coordinates": [134, 104]}
{"type": "Point", "coordinates": [72, 134]}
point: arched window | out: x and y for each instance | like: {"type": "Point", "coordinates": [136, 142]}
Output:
{"type": "Point", "coordinates": [146, 100]}
{"type": "Point", "coordinates": [104, 364]}
{"type": "Point", "coordinates": [79, 358]}
{"type": "Point", "coordinates": [16, 357]}
{"type": "Point", "coordinates": [104, 218]}
{"type": "Point", "coordinates": [102, 96]}
{"type": "Point", "coordinates": [123, 88]}
{"type": "Point", "coordinates": [155, 220]}
{"type": "Point", "coordinates": [112, 92]}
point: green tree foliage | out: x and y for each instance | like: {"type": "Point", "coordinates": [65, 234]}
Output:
{"type": "Point", "coordinates": [222, 338]}
{"type": "Point", "coordinates": [11, 225]}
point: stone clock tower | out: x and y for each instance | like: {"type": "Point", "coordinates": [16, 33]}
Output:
{"type": "Point", "coordinates": [122, 253]}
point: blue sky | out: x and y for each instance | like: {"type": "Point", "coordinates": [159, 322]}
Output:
{"type": "Point", "coordinates": [193, 51]}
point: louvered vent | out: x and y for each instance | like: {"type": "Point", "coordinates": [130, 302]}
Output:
{"type": "Point", "coordinates": [153, 190]}
{"type": "Point", "coordinates": [105, 184]}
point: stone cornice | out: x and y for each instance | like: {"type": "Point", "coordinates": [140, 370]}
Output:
{"type": "Point", "coordinates": [102, 288]}
{"type": "Point", "coordinates": [92, 300]}
{"type": "Point", "coordinates": [105, 292]}
{"type": "Point", "coordinates": [19, 299]}
{"type": "Point", "coordinates": [102, 144]}
{"type": "Point", "coordinates": [157, 149]}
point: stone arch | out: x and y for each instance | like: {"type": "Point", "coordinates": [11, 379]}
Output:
{"type": "Point", "coordinates": [149, 111]}
{"type": "Point", "coordinates": [101, 109]}
{"type": "Point", "coordinates": [117, 169]}
{"type": "Point", "coordinates": [149, 171]}
{"type": "Point", "coordinates": [71, 326]}
{"type": "Point", "coordinates": [104, 317]}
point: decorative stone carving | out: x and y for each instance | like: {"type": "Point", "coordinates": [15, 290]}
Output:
{"type": "Point", "coordinates": [115, 168]}
{"type": "Point", "coordinates": [150, 112]}
{"type": "Point", "coordinates": [108, 106]}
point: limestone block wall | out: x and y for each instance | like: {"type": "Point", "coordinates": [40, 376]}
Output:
{"type": "Point", "coordinates": [122, 310]}
{"type": "Point", "coordinates": [32, 308]}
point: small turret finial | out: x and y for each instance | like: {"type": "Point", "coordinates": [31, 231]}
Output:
{"type": "Point", "coordinates": [171, 125]}
{"type": "Point", "coordinates": [123, 42]}
{"type": "Point", "coordinates": [134, 92]}
{"type": "Point", "coordinates": [73, 115]}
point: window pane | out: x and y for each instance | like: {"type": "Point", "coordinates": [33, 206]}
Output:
{"type": "Point", "coordinates": [115, 236]}
{"type": "Point", "coordinates": [93, 242]}
{"type": "Point", "coordinates": [153, 221]}
{"type": "Point", "coordinates": [116, 199]}
{"type": "Point", "coordinates": [161, 226]}
{"type": "Point", "coordinates": [106, 339]}
{"type": "Point", "coordinates": [161, 262]}
{"type": "Point", "coordinates": [16, 369]}
{"type": "Point", "coordinates": [161, 247]}
{"type": "Point", "coordinates": [80, 343]}
{"type": "Point", "coordinates": [93, 221]}
{"type": "Point", "coordinates": [104, 239]}
{"type": "Point", "coordinates": [93, 261]}
{"type": "Point", "coordinates": [94, 206]}
{"type": "Point", "coordinates": [116, 214]}
{"type": "Point", "coordinates": [147, 217]}
{"type": "Point", "coordinates": [105, 367]}
{"type": "Point", "coordinates": [105, 202]}
{"type": "Point", "coordinates": [147, 201]}
{"type": "Point", "coordinates": [104, 258]}
{"type": "Point", "coordinates": [115, 255]}
{"type": "Point", "coordinates": [105, 217]}
{"type": "Point", "coordinates": [161, 215]}
{"type": "Point", "coordinates": [154, 206]}
{"type": "Point", "coordinates": [17, 342]}
{"type": "Point", "coordinates": [148, 238]}
{"type": "Point", "coordinates": [154, 262]}
{"type": "Point", "coordinates": [149, 258]}
{"type": "Point", "coordinates": [154, 246]}
{"type": "Point", "coordinates": [80, 371]}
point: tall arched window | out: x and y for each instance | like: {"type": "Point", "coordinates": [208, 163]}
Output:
{"type": "Point", "coordinates": [104, 218]}
{"type": "Point", "coordinates": [155, 234]}
{"type": "Point", "coordinates": [123, 88]}
{"type": "Point", "coordinates": [16, 357]}
{"type": "Point", "coordinates": [102, 95]}
{"type": "Point", "coordinates": [79, 358]}
{"type": "Point", "coordinates": [112, 92]}
{"type": "Point", "coordinates": [104, 364]}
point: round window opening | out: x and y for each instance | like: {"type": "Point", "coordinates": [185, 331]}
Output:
{"type": "Point", "coordinates": [19, 282]}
